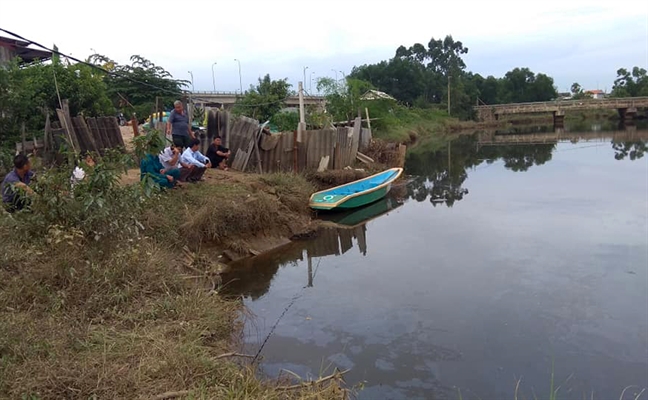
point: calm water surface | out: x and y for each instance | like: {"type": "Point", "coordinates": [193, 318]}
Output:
{"type": "Point", "coordinates": [506, 254]}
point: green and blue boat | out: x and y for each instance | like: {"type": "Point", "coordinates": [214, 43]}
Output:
{"type": "Point", "coordinates": [357, 193]}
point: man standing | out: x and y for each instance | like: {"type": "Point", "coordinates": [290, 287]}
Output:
{"type": "Point", "coordinates": [195, 161]}
{"type": "Point", "coordinates": [218, 154]}
{"type": "Point", "coordinates": [14, 182]}
{"type": "Point", "coordinates": [179, 126]}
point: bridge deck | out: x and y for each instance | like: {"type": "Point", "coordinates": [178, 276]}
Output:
{"type": "Point", "coordinates": [564, 105]}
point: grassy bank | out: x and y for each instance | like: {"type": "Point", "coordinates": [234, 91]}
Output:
{"type": "Point", "coordinates": [105, 303]}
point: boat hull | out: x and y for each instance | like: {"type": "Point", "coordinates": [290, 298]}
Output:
{"type": "Point", "coordinates": [356, 194]}
{"type": "Point", "coordinates": [358, 201]}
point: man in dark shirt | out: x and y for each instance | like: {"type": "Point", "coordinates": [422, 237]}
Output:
{"type": "Point", "coordinates": [179, 126]}
{"type": "Point", "coordinates": [218, 154]}
{"type": "Point", "coordinates": [16, 184]}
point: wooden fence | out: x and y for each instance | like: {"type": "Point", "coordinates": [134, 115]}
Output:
{"type": "Point", "coordinates": [258, 150]}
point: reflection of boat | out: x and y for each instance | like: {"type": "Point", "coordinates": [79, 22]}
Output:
{"type": "Point", "coordinates": [363, 215]}
{"type": "Point", "coordinates": [357, 193]}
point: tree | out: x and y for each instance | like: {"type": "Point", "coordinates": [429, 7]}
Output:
{"type": "Point", "coordinates": [135, 87]}
{"type": "Point", "coordinates": [578, 93]}
{"type": "Point", "coordinates": [27, 93]}
{"type": "Point", "coordinates": [630, 84]}
{"type": "Point", "coordinates": [264, 100]}
{"type": "Point", "coordinates": [522, 85]}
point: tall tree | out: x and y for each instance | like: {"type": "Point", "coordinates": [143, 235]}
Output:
{"type": "Point", "coordinates": [134, 87]}
{"type": "Point", "coordinates": [265, 99]}
{"type": "Point", "coordinates": [630, 83]}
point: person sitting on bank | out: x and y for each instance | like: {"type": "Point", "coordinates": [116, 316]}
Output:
{"type": "Point", "coordinates": [218, 154]}
{"type": "Point", "coordinates": [150, 166]}
{"type": "Point", "coordinates": [170, 160]}
{"type": "Point", "coordinates": [179, 126]}
{"type": "Point", "coordinates": [195, 161]}
{"type": "Point", "coordinates": [15, 184]}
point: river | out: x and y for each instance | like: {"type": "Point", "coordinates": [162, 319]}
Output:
{"type": "Point", "coordinates": [507, 256]}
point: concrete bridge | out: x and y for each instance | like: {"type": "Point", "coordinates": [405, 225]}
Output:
{"type": "Point", "coordinates": [630, 133]}
{"type": "Point", "coordinates": [626, 106]}
{"type": "Point", "coordinates": [228, 99]}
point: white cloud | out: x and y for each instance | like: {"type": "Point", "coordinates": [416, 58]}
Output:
{"type": "Point", "coordinates": [284, 35]}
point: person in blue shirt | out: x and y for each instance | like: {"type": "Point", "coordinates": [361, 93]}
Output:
{"type": "Point", "coordinates": [195, 161]}
{"type": "Point", "coordinates": [15, 185]}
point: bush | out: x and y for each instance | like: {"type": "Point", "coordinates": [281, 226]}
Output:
{"type": "Point", "coordinates": [96, 207]}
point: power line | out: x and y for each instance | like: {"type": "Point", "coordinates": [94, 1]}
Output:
{"type": "Point", "coordinates": [88, 64]}
{"type": "Point", "coordinates": [116, 74]}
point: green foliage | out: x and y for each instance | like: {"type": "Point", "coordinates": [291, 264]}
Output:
{"type": "Point", "coordinates": [285, 121]}
{"type": "Point", "coordinates": [630, 83]}
{"type": "Point", "coordinates": [522, 85]}
{"type": "Point", "coordinates": [199, 115]}
{"type": "Point", "coordinates": [577, 92]}
{"type": "Point", "coordinates": [27, 93]}
{"type": "Point", "coordinates": [152, 142]}
{"type": "Point", "coordinates": [433, 74]}
{"type": "Point", "coordinates": [264, 100]}
{"type": "Point", "coordinates": [135, 86]}
{"type": "Point", "coordinates": [97, 207]}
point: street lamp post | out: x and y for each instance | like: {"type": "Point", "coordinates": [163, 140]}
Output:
{"type": "Point", "coordinates": [310, 84]}
{"type": "Point", "coordinates": [192, 81]}
{"type": "Point", "coordinates": [240, 78]}
{"type": "Point", "coordinates": [305, 68]}
{"type": "Point", "coordinates": [213, 77]}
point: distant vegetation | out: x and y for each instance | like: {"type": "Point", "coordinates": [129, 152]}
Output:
{"type": "Point", "coordinates": [420, 78]}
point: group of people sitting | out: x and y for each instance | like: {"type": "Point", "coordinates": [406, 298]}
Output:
{"type": "Point", "coordinates": [174, 164]}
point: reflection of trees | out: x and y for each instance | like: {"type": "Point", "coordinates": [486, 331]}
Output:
{"type": "Point", "coordinates": [519, 158]}
{"type": "Point", "coordinates": [442, 171]}
{"type": "Point", "coordinates": [634, 150]}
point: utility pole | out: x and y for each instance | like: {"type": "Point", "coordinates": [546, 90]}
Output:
{"type": "Point", "coordinates": [449, 76]}
{"type": "Point", "coordinates": [304, 81]}
{"type": "Point", "coordinates": [213, 77]}
{"type": "Point", "coordinates": [240, 79]}
{"type": "Point", "coordinates": [302, 115]}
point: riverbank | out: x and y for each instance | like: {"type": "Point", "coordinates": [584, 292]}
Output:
{"type": "Point", "coordinates": [141, 317]}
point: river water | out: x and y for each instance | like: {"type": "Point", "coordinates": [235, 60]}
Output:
{"type": "Point", "coordinates": [508, 256]}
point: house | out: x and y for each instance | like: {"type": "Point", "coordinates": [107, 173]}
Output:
{"type": "Point", "coordinates": [11, 48]}
{"type": "Point", "coordinates": [376, 95]}
{"type": "Point", "coordinates": [596, 94]}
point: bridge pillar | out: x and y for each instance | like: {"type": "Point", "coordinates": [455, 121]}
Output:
{"type": "Point", "coordinates": [558, 119]}
{"type": "Point", "coordinates": [627, 113]}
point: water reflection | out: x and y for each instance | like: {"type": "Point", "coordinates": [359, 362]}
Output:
{"type": "Point", "coordinates": [344, 231]}
{"type": "Point", "coordinates": [442, 168]}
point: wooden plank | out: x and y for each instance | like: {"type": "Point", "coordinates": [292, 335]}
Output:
{"type": "Point", "coordinates": [90, 137]}
{"type": "Point", "coordinates": [68, 122]}
{"type": "Point", "coordinates": [363, 158]}
{"type": "Point", "coordinates": [112, 122]}
{"type": "Point", "coordinates": [323, 165]}
{"type": "Point", "coordinates": [67, 128]}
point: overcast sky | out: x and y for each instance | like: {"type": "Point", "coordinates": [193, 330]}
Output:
{"type": "Point", "coordinates": [570, 40]}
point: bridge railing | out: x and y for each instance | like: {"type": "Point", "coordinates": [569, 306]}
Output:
{"type": "Point", "coordinates": [624, 101]}
{"type": "Point", "coordinates": [234, 94]}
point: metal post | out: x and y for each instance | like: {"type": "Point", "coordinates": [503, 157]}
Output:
{"type": "Point", "coordinates": [302, 116]}
{"type": "Point", "coordinates": [304, 81]}
{"type": "Point", "coordinates": [449, 76]}
{"type": "Point", "coordinates": [192, 81]}
{"type": "Point", "coordinates": [213, 77]}
{"type": "Point", "coordinates": [240, 78]}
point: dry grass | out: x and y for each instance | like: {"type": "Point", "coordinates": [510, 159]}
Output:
{"type": "Point", "coordinates": [91, 319]}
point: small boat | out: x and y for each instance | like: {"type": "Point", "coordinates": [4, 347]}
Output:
{"type": "Point", "coordinates": [357, 193]}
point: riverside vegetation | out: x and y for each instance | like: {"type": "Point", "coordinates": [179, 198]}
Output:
{"type": "Point", "coordinates": [95, 300]}
{"type": "Point", "coordinates": [94, 297]}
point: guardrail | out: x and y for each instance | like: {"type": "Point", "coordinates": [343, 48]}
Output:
{"type": "Point", "coordinates": [570, 103]}
{"type": "Point", "coordinates": [211, 93]}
